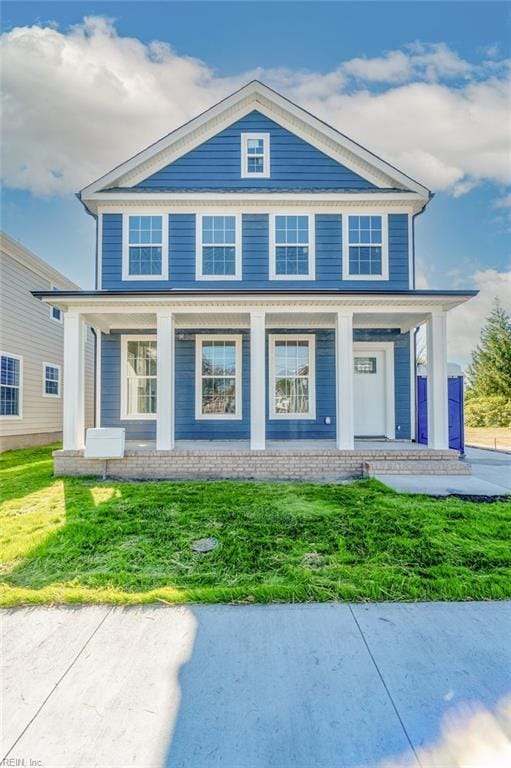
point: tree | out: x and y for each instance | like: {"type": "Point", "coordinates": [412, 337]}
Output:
{"type": "Point", "coordinates": [489, 373]}
{"type": "Point", "coordinates": [488, 392]}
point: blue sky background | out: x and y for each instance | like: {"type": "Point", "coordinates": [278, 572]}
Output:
{"type": "Point", "coordinates": [458, 236]}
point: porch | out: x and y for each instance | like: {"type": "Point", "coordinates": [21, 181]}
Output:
{"type": "Point", "coordinates": [293, 460]}
{"type": "Point", "coordinates": [169, 447]}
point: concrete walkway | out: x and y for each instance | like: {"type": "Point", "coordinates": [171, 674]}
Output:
{"type": "Point", "coordinates": [301, 686]}
{"type": "Point", "coordinates": [491, 476]}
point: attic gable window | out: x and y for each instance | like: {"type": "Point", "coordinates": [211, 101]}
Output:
{"type": "Point", "coordinates": [145, 247]}
{"type": "Point", "coordinates": [255, 155]}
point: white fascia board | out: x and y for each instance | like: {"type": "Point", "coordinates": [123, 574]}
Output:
{"type": "Point", "coordinates": [286, 302]}
{"type": "Point", "coordinates": [255, 95]}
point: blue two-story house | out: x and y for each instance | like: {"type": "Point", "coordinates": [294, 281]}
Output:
{"type": "Point", "coordinates": [255, 303]}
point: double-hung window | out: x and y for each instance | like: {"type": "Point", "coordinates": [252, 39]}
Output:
{"type": "Point", "coordinates": [365, 254]}
{"type": "Point", "coordinates": [292, 247]}
{"type": "Point", "coordinates": [292, 376]}
{"type": "Point", "coordinates": [51, 380]}
{"type": "Point", "coordinates": [138, 377]}
{"type": "Point", "coordinates": [11, 373]}
{"type": "Point", "coordinates": [218, 377]}
{"type": "Point", "coordinates": [145, 247]}
{"type": "Point", "coordinates": [219, 247]}
{"type": "Point", "coordinates": [255, 155]}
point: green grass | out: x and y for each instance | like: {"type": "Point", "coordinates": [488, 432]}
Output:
{"type": "Point", "coordinates": [85, 540]}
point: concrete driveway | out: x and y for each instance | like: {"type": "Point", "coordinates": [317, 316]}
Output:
{"type": "Point", "coordinates": [284, 686]}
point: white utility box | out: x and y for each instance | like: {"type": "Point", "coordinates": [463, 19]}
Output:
{"type": "Point", "coordinates": [104, 443]}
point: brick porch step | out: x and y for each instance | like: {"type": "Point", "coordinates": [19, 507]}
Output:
{"type": "Point", "coordinates": [419, 466]}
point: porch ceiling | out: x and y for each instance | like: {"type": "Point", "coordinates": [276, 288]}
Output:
{"type": "Point", "coordinates": [129, 320]}
{"type": "Point", "coordinates": [210, 309]}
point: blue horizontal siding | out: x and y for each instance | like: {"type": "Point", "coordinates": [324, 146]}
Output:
{"type": "Point", "coordinates": [216, 163]}
{"type": "Point", "coordinates": [188, 428]}
{"type": "Point", "coordinates": [255, 256]}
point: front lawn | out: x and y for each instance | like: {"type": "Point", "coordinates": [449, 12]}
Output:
{"type": "Point", "coordinates": [84, 540]}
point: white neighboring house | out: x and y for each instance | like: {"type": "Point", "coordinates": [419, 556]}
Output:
{"type": "Point", "coordinates": [31, 351]}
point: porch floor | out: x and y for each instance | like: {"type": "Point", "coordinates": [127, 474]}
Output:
{"type": "Point", "coordinates": [284, 446]}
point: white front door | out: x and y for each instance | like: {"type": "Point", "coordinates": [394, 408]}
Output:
{"type": "Point", "coordinates": [369, 392]}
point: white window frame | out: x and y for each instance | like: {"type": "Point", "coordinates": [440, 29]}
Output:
{"type": "Point", "coordinates": [164, 274]}
{"type": "Point", "coordinates": [59, 380]}
{"type": "Point", "coordinates": [199, 339]}
{"type": "Point", "coordinates": [125, 416]}
{"type": "Point", "coordinates": [245, 173]}
{"type": "Point", "coordinates": [311, 338]}
{"type": "Point", "coordinates": [18, 415]}
{"type": "Point", "coordinates": [346, 274]}
{"type": "Point", "coordinates": [56, 319]}
{"type": "Point", "coordinates": [311, 275]}
{"type": "Point", "coordinates": [199, 273]}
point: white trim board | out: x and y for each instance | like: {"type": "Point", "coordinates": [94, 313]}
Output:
{"type": "Point", "coordinates": [256, 96]}
{"type": "Point", "coordinates": [387, 347]}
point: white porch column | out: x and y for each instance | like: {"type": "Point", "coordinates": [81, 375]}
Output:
{"type": "Point", "coordinates": [344, 380]}
{"type": "Point", "coordinates": [165, 381]}
{"type": "Point", "coordinates": [438, 413]}
{"type": "Point", "coordinates": [73, 401]}
{"type": "Point", "coordinates": [257, 381]}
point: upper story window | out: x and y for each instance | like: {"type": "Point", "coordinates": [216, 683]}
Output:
{"type": "Point", "coordinates": [138, 377]}
{"type": "Point", "coordinates": [365, 254]}
{"type": "Point", "coordinates": [145, 247]}
{"type": "Point", "coordinates": [255, 155]}
{"type": "Point", "coordinates": [218, 377]}
{"type": "Point", "coordinates": [51, 380]}
{"type": "Point", "coordinates": [56, 314]}
{"type": "Point", "coordinates": [219, 247]}
{"type": "Point", "coordinates": [292, 247]}
{"type": "Point", "coordinates": [10, 385]}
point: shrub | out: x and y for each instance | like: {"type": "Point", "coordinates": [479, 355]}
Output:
{"type": "Point", "coordinates": [491, 411]}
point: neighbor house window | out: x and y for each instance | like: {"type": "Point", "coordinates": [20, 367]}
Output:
{"type": "Point", "coordinates": [292, 248]}
{"type": "Point", "coordinates": [10, 385]}
{"type": "Point", "coordinates": [145, 251]}
{"type": "Point", "coordinates": [255, 155]}
{"type": "Point", "coordinates": [365, 252]}
{"type": "Point", "coordinates": [219, 247]}
{"type": "Point", "coordinates": [139, 361]}
{"type": "Point", "coordinates": [292, 377]}
{"type": "Point", "coordinates": [55, 314]}
{"type": "Point", "coordinates": [218, 377]}
{"type": "Point", "coordinates": [51, 380]}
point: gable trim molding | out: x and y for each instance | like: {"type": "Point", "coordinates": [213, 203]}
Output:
{"type": "Point", "coordinates": [256, 96]}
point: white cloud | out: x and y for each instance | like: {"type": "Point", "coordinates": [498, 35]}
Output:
{"type": "Point", "coordinates": [419, 60]}
{"type": "Point", "coordinates": [465, 322]}
{"type": "Point", "coordinates": [77, 103]}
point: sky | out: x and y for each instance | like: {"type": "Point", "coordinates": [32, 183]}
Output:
{"type": "Point", "coordinates": [423, 84]}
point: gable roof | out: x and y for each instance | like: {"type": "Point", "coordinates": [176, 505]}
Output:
{"type": "Point", "coordinates": [255, 96]}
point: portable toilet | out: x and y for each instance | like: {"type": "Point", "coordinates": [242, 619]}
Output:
{"type": "Point", "coordinates": [456, 415]}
